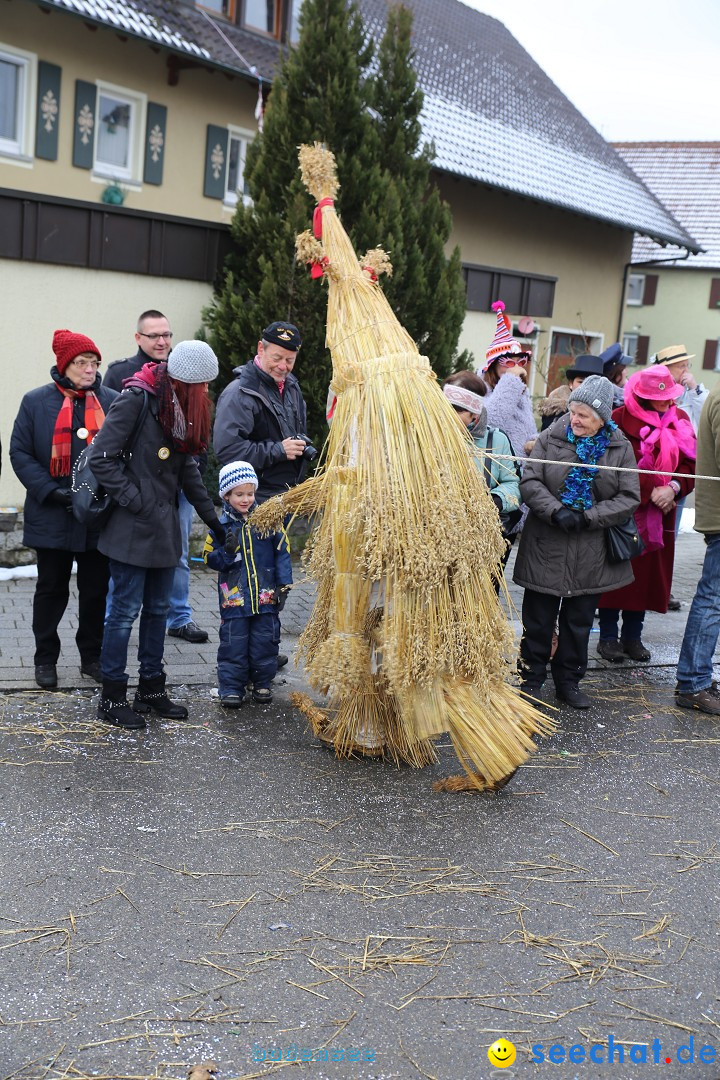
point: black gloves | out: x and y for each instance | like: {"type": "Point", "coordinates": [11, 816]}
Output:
{"type": "Point", "coordinates": [231, 542]}
{"type": "Point", "coordinates": [281, 599]}
{"type": "Point", "coordinates": [498, 503]}
{"type": "Point", "coordinates": [217, 528]}
{"type": "Point", "coordinates": [61, 497]}
{"type": "Point", "coordinates": [569, 520]}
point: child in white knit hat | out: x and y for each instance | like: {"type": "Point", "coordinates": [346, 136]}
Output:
{"type": "Point", "coordinates": [254, 576]}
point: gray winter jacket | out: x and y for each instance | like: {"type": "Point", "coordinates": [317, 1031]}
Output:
{"type": "Point", "coordinates": [144, 528]}
{"type": "Point", "coordinates": [573, 564]}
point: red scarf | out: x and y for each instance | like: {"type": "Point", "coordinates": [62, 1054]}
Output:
{"type": "Point", "coordinates": [60, 451]}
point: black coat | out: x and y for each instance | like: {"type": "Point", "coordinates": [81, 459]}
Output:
{"type": "Point", "coordinates": [144, 529]}
{"type": "Point", "coordinates": [252, 418]}
{"type": "Point", "coordinates": [47, 525]}
{"type": "Point", "coordinates": [123, 369]}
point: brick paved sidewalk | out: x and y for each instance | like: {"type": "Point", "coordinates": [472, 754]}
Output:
{"type": "Point", "coordinates": [195, 664]}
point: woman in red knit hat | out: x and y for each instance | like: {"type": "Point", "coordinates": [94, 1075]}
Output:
{"type": "Point", "coordinates": [54, 424]}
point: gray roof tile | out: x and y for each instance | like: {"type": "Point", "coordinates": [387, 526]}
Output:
{"type": "Point", "coordinates": [491, 111]}
{"type": "Point", "coordinates": [686, 177]}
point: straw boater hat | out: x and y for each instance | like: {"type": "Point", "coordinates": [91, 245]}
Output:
{"type": "Point", "coordinates": [672, 354]}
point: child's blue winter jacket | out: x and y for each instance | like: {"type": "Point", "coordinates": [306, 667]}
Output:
{"type": "Point", "coordinates": [250, 582]}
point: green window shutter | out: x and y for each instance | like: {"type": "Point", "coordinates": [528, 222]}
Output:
{"type": "Point", "coordinates": [84, 122]}
{"type": "Point", "coordinates": [215, 162]}
{"type": "Point", "coordinates": [48, 111]}
{"type": "Point", "coordinates": [155, 135]}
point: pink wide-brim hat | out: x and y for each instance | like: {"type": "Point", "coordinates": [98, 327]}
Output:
{"type": "Point", "coordinates": [654, 384]}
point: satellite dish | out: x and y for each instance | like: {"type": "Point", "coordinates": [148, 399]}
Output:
{"type": "Point", "coordinates": [526, 325]}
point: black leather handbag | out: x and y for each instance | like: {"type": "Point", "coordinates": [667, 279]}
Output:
{"type": "Point", "coordinates": [91, 504]}
{"type": "Point", "coordinates": [623, 541]}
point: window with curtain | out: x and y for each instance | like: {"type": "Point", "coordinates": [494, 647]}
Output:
{"type": "Point", "coordinates": [261, 15]}
{"type": "Point", "coordinates": [236, 185]}
{"type": "Point", "coordinates": [114, 139]}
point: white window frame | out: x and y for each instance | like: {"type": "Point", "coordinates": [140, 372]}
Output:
{"type": "Point", "coordinates": [20, 149]}
{"type": "Point", "coordinates": [138, 114]}
{"type": "Point", "coordinates": [231, 197]}
{"type": "Point", "coordinates": [630, 344]}
{"type": "Point", "coordinates": [636, 281]}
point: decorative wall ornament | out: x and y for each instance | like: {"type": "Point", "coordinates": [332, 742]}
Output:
{"type": "Point", "coordinates": [85, 123]}
{"type": "Point", "coordinates": [49, 110]}
{"type": "Point", "coordinates": [217, 160]}
{"type": "Point", "coordinates": [156, 140]}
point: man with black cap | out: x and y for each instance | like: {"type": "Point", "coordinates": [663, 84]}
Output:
{"type": "Point", "coordinates": [261, 415]}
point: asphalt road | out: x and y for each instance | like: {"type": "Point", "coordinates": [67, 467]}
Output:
{"type": "Point", "coordinates": [223, 888]}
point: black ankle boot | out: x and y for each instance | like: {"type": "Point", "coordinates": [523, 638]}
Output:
{"type": "Point", "coordinates": [151, 694]}
{"type": "Point", "coordinates": [114, 709]}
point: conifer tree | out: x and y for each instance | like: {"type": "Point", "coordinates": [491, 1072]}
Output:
{"type": "Point", "coordinates": [323, 92]}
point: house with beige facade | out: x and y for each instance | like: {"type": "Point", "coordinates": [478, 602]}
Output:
{"type": "Point", "coordinates": [673, 296]}
{"type": "Point", "coordinates": [123, 131]}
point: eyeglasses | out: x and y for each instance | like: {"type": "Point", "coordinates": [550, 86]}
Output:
{"type": "Point", "coordinates": [514, 361]}
{"type": "Point", "coordinates": [156, 337]}
{"type": "Point", "coordinates": [85, 363]}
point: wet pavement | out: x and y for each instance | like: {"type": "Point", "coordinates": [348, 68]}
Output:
{"type": "Point", "coordinates": [223, 889]}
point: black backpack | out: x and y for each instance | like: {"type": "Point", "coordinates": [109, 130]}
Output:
{"type": "Point", "coordinates": [91, 504]}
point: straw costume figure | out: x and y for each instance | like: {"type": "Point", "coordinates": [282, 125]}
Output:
{"type": "Point", "coordinates": [407, 639]}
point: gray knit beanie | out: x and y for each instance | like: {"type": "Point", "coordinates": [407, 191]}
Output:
{"type": "Point", "coordinates": [597, 393]}
{"type": "Point", "coordinates": [192, 362]}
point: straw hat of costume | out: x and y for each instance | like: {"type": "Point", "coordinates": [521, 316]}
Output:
{"type": "Point", "coordinates": [672, 354]}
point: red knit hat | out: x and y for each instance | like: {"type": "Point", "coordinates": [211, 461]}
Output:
{"type": "Point", "coordinates": [67, 345]}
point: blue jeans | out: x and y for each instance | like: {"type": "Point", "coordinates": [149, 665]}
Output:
{"type": "Point", "coordinates": [631, 628]}
{"type": "Point", "coordinates": [136, 587]}
{"type": "Point", "coordinates": [180, 612]}
{"type": "Point", "coordinates": [695, 667]}
{"type": "Point", "coordinates": [679, 507]}
{"type": "Point", "coordinates": [248, 652]}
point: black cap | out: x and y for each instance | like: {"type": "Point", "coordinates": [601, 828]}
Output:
{"type": "Point", "coordinates": [585, 364]}
{"type": "Point", "coordinates": [284, 334]}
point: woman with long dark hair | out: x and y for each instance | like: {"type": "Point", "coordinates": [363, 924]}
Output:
{"type": "Point", "coordinates": [142, 537]}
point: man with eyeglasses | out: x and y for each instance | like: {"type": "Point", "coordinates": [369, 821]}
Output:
{"type": "Point", "coordinates": [154, 341]}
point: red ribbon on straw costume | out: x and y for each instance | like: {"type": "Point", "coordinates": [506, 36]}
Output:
{"type": "Point", "coordinates": [317, 217]}
{"type": "Point", "coordinates": [318, 268]}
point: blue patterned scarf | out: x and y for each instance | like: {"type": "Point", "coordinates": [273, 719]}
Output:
{"type": "Point", "coordinates": [576, 492]}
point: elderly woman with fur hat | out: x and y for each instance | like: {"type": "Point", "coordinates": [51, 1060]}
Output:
{"type": "Point", "coordinates": [663, 440]}
{"type": "Point", "coordinates": [562, 561]}
{"type": "Point", "coordinates": [142, 538]}
{"type": "Point", "coordinates": [54, 424]}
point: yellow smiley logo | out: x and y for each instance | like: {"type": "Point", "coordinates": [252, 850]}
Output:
{"type": "Point", "coordinates": [501, 1054]}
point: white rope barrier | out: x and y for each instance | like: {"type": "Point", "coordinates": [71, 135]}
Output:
{"type": "Point", "coordinates": [584, 465]}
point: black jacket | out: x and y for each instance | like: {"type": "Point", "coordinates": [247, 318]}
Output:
{"type": "Point", "coordinates": [251, 420]}
{"type": "Point", "coordinates": [123, 369]}
{"type": "Point", "coordinates": [47, 525]}
{"type": "Point", "coordinates": [144, 528]}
